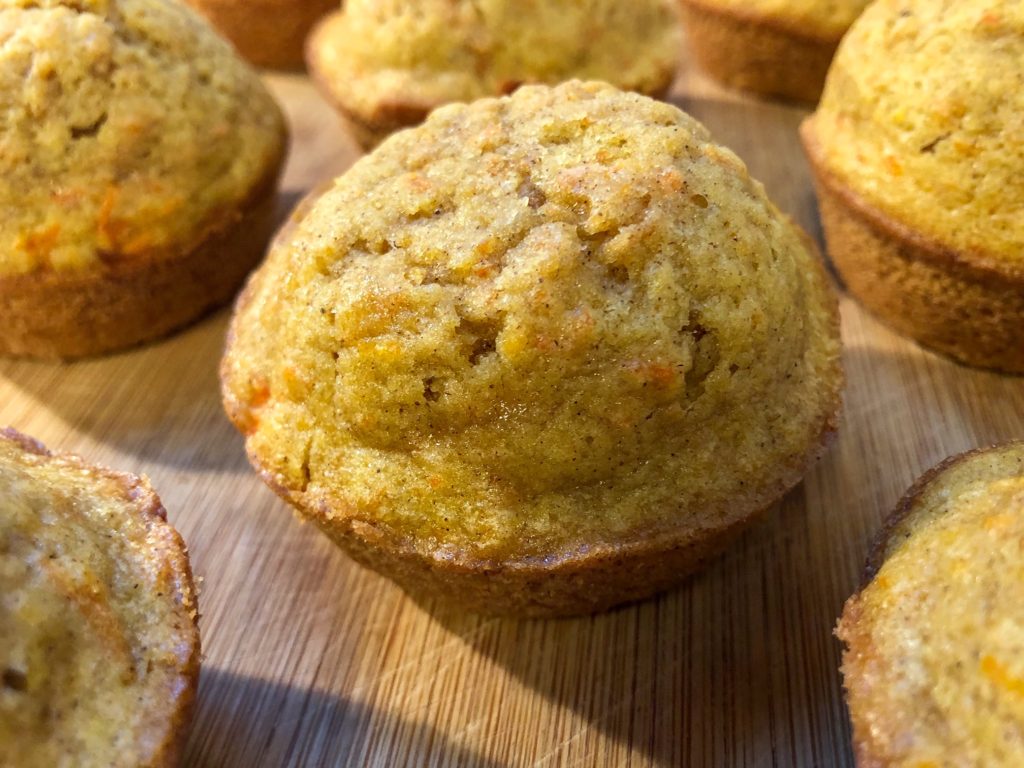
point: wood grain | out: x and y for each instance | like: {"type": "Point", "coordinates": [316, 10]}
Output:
{"type": "Point", "coordinates": [310, 660]}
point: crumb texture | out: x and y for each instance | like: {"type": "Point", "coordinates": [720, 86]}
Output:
{"type": "Point", "coordinates": [98, 646]}
{"type": "Point", "coordinates": [923, 117]}
{"type": "Point", "coordinates": [934, 668]}
{"type": "Point", "coordinates": [381, 53]}
{"type": "Point", "coordinates": [127, 127]}
{"type": "Point", "coordinates": [534, 325]}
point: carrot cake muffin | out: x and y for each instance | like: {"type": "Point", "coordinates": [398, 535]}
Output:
{"type": "Point", "coordinates": [99, 649]}
{"type": "Point", "coordinates": [772, 47]}
{"type": "Point", "coordinates": [934, 660]}
{"type": "Point", "coordinates": [918, 153]}
{"type": "Point", "coordinates": [386, 63]}
{"type": "Point", "coordinates": [539, 356]}
{"type": "Point", "coordinates": [269, 33]}
{"type": "Point", "coordinates": [138, 165]}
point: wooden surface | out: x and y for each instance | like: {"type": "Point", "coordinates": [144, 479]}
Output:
{"type": "Point", "coordinates": [310, 660]}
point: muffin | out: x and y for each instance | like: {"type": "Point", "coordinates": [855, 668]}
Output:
{"type": "Point", "coordinates": [385, 64]}
{"type": "Point", "coordinates": [137, 174]}
{"type": "Point", "coordinates": [770, 47]}
{"type": "Point", "coordinates": [934, 660]}
{"type": "Point", "coordinates": [99, 648]}
{"type": "Point", "coordinates": [269, 33]}
{"type": "Point", "coordinates": [539, 356]}
{"type": "Point", "coordinates": [918, 151]}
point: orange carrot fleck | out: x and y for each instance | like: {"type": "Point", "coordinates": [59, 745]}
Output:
{"type": "Point", "coordinates": [39, 242]}
{"type": "Point", "coordinates": [999, 675]}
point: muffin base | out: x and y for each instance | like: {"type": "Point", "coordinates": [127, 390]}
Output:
{"type": "Point", "coordinates": [172, 725]}
{"type": "Point", "coordinates": [267, 33]}
{"type": "Point", "coordinates": [371, 130]}
{"type": "Point", "coordinates": [66, 315]}
{"type": "Point", "coordinates": [757, 54]}
{"type": "Point", "coordinates": [588, 581]}
{"type": "Point", "coordinates": [948, 301]}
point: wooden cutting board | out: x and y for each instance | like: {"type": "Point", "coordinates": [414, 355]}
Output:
{"type": "Point", "coordinates": [311, 660]}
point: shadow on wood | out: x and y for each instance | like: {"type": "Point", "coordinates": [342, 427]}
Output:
{"type": "Point", "coordinates": [724, 671]}
{"type": "Point", "coordinates": [244, 721]}
{"type": "Point", "coordinates": [957, 408]}
{"type": "Point", "coordinates": [159, 404]}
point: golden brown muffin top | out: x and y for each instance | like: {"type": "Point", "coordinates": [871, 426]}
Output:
{"type": "Point", "coordinates": [824, 19]}
{"type": "Point", "coordinates": [935, 665]}
{"type": "Point", "coordinates": [98, 645]}
{"type": "Point", "coordinates": [921, 117]}
{"type": "Point", "coordinates": [127, 128]}
{"type": "Point", "coordinates": [421, 53]}
{"type": "Point", "coordinates": [534, 325]}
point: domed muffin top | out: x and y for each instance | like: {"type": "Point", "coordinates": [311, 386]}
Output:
{"type": "Point", "coordinates": [99, 650]}
{"type": "Point", "coordinates": [430, 52]}
{"type": "Point", "coordinates": [564, 316]}
{"type": "Point", "coordinates": [935, 662]}
{"type": "Point", "coordinates": [923, 116]}
{"type": "Point", "coordinates": [127, 127]}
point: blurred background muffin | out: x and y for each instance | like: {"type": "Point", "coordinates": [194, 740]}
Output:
{"type": "Point", "coordinates": [138, 170]}
{"type": "Point", "coordinates": [386, 63]}
{"type": "Point", "coordinates": [770, 47]}
{"type": "Point", "coordinates": [99, 645]}
{"type": "Point", "coordinates": [269, 33]}
{"type": "Point", "coordinates": [918, 154]}
{"type": "Point", "coordinates": [539, 356]}
{"type": "Point", "coordinates": [934, 658]}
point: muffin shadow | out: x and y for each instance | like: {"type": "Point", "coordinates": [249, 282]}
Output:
{"type": "Point", "coordinates": [956, 407]}
{"type": "Point", "coordinates": [160, 403]}
{"type": "Point", "coordinates": [725, 670]}
{"type": "Point", "coordinates": [245, 721]}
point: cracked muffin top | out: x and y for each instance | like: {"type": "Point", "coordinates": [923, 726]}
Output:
{"type": "Point", "coordinates": [922, 117]}
{"type": "Point", "coordinates": [934, 667]}
{"type": "Point", "coordinates": [127, 129]}
{"type": "Point", "coordinates": [536, 324]}
{"type": "Point", "coordinates": [382, 56]}
{"type": "Point", "coordinates": [99, 650]}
